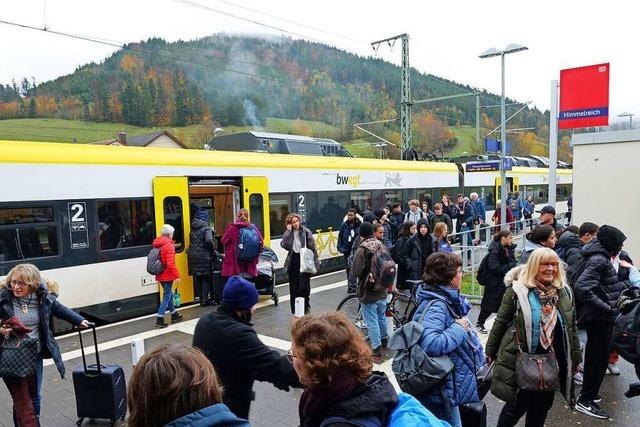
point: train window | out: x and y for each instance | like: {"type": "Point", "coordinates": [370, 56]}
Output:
{"type": "Point", "coordinates": [391, 197]}
{"type": "Point", "coordinates": [26, 215]}
{"type": "Point", "coordinates": [361, 201]}
{"type": "Point", "coordinates": [205, 204]}
{"type": "Point", "coordinates": [27, 233]}
{"type": "Point", "coordinates": [256, 211]}
{"type": "Point", "coordinates": [172, 208]}
{"type": "Point", "coordinates": [328, 210]}
{"type": "Point", "coordinates": [125, 223]}
{"type": "Point", "coordinates": [279, 208]}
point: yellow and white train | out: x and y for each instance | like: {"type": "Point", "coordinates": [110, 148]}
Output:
{"type": "Point", "coordinates": [86, 214]}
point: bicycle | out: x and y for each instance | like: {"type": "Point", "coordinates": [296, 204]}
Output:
{"type": "Point", "coordinates": [401, 307]}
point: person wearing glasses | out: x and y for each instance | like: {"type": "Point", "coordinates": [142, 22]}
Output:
{"type": "Point", "coordinates": [227, 338]}
{"type": "Point", "coordinates": [536, 316]}
{"type": "Point", "coordinates": [26, 311]}
{"type": "Point", "coordinates": [333, 362]}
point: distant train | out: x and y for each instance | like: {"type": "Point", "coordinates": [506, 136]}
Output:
{"type": "Point", "coordinates": [86, 214]}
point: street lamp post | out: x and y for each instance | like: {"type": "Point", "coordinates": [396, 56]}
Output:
{"type": "Point", "coordinates": [512, 48]}
{"type": "Point", "coordinates": [630, 115]}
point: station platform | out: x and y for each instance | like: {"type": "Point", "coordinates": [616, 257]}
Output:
{"type": "Point", "coordinates": [272, 407]}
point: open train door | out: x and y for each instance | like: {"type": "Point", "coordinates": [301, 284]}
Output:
{"type": "Point", "coordinates": [512, 186]}
{"type": "Point", "coordinates": [171, 201]}
{"type": "Point", "coordinates": [255, 198]}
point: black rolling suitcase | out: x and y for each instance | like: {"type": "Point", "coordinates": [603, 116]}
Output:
{"type": "Point", "coordinates": [101, 391]}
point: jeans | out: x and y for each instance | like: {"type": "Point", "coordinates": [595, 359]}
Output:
{"type": "Point", "coordinates": [596, 358]}
{"type": "Point", "coordinates": [37, 398]}
{"type": "Point", "coordinates": [167, 299]}
{"type": "Point", "coordinates": [376, 321]}
{"type": "Point", "coordinates": [535, 404]}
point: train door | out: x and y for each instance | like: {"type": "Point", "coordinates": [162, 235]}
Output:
{"type": "Point", "coordinates": [255, 198]}
{"type": "Point", "coordinates": [512, 186]}
{"type": "Point", "coordinates": [171, 200]}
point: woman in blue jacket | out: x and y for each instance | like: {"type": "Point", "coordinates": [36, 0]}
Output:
{"type": "Point", "coordinates": [447, 332]}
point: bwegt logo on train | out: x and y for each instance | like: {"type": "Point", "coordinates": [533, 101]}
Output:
{"type": "Point", "coordinates": [353, 180]}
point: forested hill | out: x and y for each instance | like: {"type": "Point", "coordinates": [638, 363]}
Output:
{"type": "Point", "coordinates": [155, 83]}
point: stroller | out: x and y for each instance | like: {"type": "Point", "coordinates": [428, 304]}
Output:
{"type": "Point", "coordinates": [266, 280]}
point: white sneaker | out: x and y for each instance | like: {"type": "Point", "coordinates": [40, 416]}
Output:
{"type": "Point", "coordinates": [612, 369]}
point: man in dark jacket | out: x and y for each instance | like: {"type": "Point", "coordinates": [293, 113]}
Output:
{"type": "Point", "coordinates": [347, 235]}
{"type": "Point", "coordinates": [228, 339]}
{"type": "Point", "coordinates": [598, 287]}
{"type": "Point", "coordinates": [548, 217]}
{"type": "Point", "coordinates": [396, 218]}
{"type": "Point", "coordinates": [372, 296]}
{"type": "Point", "coordinates": [570, 244]}
{"type": "Point", "coordinates": [200, 258]}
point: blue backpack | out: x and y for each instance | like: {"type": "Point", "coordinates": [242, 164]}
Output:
{"type": "Point", "coordinates": [408, 413]}
{"type": "Point", "coordinates": [248, 244]}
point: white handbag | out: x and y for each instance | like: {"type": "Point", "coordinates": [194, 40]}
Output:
{"type": "Point", "coordinates": [307, 258]}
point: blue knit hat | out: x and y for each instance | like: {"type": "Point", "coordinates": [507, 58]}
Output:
{"type": "Point", "coordinates": [202, 214]}
{"type": "Point", "coordinates": [239, 293]}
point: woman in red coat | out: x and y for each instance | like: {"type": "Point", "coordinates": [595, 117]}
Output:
{"type": "Point", "coordinates": [168, 275]}
{"type": "Point", "coordinates": [231, 266]}
{"type": "Point", "coordinates": [497, 220]}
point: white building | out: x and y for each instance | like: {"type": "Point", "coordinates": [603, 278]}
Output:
{"type": "Point", "coordinates": [606, 176]}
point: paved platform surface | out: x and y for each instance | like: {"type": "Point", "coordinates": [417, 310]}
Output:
{"type": "Point", "coordinates": [272, 408]}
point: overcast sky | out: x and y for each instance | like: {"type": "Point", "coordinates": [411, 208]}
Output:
{"type": "Point", "coordinates": [445, 37]}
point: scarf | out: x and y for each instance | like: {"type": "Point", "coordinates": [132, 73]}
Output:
{"type": "Point", "coordinates": [315, 403]}
{"type": "Point", "coordinates": [548, 296]}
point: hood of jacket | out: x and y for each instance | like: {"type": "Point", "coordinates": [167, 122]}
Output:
{"type": "Point", "coordinates": [529, 246]}
{"type": "Point", "coordinates": [215, 415]}
{"type": "Point", "coordinates": [423, 221]}
{"type": "Point", "coordinates": [451, 296]}
{"type": "Point", "coordinates": [570, 240]}
{"type": "Point", "coordinates": [595, 247]}
{"type": "Point", "coordinates": [376, 396]}
{"type": "Point", "coordinates": [513, 275]}
{"type": "Point", "coordinates": [198, 223]}
{"type": "Point", "coordinates": [161, 241]}
{"type": "Point", "coordinates": [371, 244]}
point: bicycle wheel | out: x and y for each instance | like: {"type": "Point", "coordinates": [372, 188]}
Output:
{"type": "Point", "coordinates": [351, 307]}
{"type": "Point", "coordinates": [403, 307]}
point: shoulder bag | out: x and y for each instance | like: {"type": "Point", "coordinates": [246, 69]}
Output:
{"type": "Point", "coordinates": [538, 372]}
{"type": "Point", "coordinates": [307, 257]}
{"type": "Point", "coordinates": [18, 357]}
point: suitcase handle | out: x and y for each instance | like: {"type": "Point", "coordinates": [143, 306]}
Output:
{"type": "Point", "coordinates": [95, 342]}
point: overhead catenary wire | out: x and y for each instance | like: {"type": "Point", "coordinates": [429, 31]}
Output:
{"type": "Point", "coordinates": [130, 47]}
{"type": "Point", "coordinates": [320, 30]}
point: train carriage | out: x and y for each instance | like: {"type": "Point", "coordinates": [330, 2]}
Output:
{"type": "Point", "coordinates": [86, 214]}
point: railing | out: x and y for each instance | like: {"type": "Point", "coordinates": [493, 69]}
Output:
{"type": "Point", "coordinates": [473, 246]}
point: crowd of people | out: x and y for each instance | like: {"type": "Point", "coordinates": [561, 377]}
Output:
{"type": "Point", "coordinates": [566, 279]}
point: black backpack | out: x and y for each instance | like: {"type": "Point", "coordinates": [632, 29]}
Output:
{"type": "Point", "coordinates": [484, 275]}
{"type": "Point", "coordinates": [626, 330]}
{"type": "Point", "coordinates": [382, 270]}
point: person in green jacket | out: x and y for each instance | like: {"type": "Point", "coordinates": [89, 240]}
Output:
{"type": "Point", "coordinates": [538, 305]}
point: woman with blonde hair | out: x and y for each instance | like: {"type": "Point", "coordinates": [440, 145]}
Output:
{"type": "Point", "coordinates": [26, 310]}
{"type": "Point", "coordinates": [535, 324]}
{"type": "Point", "coordinates": [232, 266]}
{"type": "Point", "coordinates": [440, 232]}
{"type": "Point", "coordinates": [176, 386]}
{"type": "Point", "coordinates": [296, 237]}
{"type": "Point", "coordinates": [334, 364]}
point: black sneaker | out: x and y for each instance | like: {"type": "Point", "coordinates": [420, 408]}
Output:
{"type": "Point", "coordinates": [160, 323]}
{"type": "Point", "coordinates": [176, 317]}
{"type": "Point", "coordinates": [385, 342]}
{"type": "Point", "coordinates": [592, 409]}
{"type": "Point", "coordinates": [482, 329]}
{"type": "Point", "coordinates": [377, 352]}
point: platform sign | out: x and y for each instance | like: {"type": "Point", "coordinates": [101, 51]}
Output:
{"type": "Point", "coordinates": [78, 229]}
{"type": "Point", "coordinates": [301, 206]}
{"type": "Point", "coordinates": [492, 145]}
{"type": "Point", "coordinates": [507, 163]}
{"type": "Point", "coordinates": [584, 97]}
{"type": "Point", "coordinates": [489, 166]}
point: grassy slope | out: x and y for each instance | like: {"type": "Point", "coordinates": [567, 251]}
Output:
{"type": "Point", "coordinates": [60, 130]}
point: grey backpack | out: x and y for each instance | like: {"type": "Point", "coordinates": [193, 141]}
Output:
{"type": "Point", "coordinates": [416, 371]}
{"type": "Point", "coordinates": [154, 263]}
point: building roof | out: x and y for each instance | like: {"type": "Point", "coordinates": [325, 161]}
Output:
{"type": "Point", "coordinates": [269, 135]}
{"type": "Point", "coordinates": [142, 140]}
